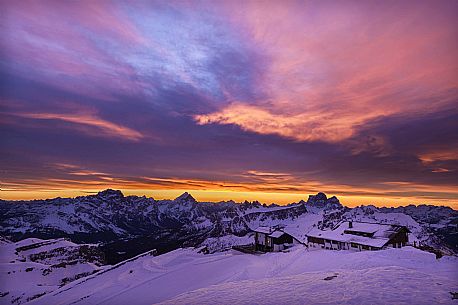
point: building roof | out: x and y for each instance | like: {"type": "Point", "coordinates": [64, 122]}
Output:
{"type": "Point", "coordinates": [274, 232]}
{"type": "Point", "coordinates": [381, 233]}
{"type": "Point", "coordinates": [265, 230]}
{"type": "Point", "coordinates": [277, 234]}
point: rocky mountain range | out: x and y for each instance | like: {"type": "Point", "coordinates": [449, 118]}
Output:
{"type": "Point", "coordinates": [125, 226]}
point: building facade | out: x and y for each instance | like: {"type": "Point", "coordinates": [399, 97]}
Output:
{"type": "Point", "coordinates": [268, 239]}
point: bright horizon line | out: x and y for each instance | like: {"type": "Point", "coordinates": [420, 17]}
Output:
{"type": "Point", "coordinates": [280, 198]}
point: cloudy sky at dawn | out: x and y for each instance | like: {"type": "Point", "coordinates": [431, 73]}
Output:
{"type": "Point", "coordinates": [257, 100]}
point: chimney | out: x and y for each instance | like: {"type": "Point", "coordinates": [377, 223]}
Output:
{"type": "Point", "coordinates": [350, 224]}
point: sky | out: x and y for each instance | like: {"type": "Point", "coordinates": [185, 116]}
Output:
{"type": "Point", "coordinates": [243, 100]}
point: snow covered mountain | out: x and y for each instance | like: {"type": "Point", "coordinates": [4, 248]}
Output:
{"type": "Point", "coordinates": [33, 267]}
{"type": "Point", "coordinates": [129, 225]}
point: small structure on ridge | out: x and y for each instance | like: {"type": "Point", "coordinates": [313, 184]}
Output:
{"type": "Point", "coordinates": [273, 239]}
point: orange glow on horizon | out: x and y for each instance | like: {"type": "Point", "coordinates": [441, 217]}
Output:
{"type": "Point", "coordinates": [266, 187]}
{"type": "Point", "coordinates": [213, 195]}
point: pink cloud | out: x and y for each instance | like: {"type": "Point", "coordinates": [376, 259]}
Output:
{"type": "Point", "coordinates": [61, 44]}
{"type": "Point", "coordinates": [96, 126]}
{"type": "Point", "coordinates": [300, 127]}
{"type": "Point", "coordinates": [336, 66]}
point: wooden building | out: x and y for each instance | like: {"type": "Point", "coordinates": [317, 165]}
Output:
{"type": "Point", "coordinates": [352, 235]}
{"type": "Point", "coordinates": [273, 239]}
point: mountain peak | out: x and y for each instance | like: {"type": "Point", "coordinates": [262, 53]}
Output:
{"type": "Point", "coordinates": [110, 193]}
{"type": "Point", "coordinates": [320, 200]}
{"type": "Point", "coordinates": [185, 197]}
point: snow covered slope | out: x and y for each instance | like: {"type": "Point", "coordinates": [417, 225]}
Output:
{"type": "Point", "coordinates": [183, 276]}
{"type": "Point", "coordinates": [33, 267]}
{"type": "Point", "coordinates": [382, 285]}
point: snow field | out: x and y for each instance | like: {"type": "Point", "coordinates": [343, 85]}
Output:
{"type": "Point", "coordinates": [184, 276]}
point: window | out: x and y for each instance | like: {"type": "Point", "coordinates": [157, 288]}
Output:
{"type": "Point", "coordinates": [353, 245]}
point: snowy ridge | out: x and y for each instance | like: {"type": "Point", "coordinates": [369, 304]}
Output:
{"type": "Point", "coordinates": [102, 271]}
